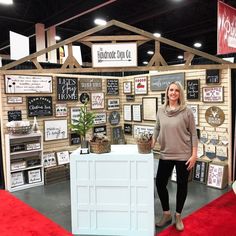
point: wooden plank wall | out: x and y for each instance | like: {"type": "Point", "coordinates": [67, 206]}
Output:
{"type": "Point", "coordinates": [60, 145]}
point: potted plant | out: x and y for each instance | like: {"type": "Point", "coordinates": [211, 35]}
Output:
{"type": "Point", "coordinates": [144, 141]}
{"type": "Point", "coordinates": [83, 124]}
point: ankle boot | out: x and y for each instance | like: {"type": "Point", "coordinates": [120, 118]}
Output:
{"type": "Point", "coordinates": [179, 223]}
{"type": "Point", "coordinates": [165, 220]}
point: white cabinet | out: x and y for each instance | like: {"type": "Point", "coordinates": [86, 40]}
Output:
{"type": "Point", "coordinates": [112, 193]}
{"type": "Point", "coordinates": [24, 163]}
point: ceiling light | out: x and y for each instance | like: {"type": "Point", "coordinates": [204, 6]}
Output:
{"type": "Point", "coordinates": [100, 22]}
{"type": "Point", "coordinates": [180, 57]}
{"type": "Point", "coordinates": [7, 2]}
{"type": "Point", "coordinates": [57, 38]}
{"type": "Point", "coordinates": [158, 35]}
{"type": "Point", "coordinates": [150, 52]}
{"type": "Point", "coordinates": [145, 62]}
{"type": "Point", "coordinates": [197, 45]}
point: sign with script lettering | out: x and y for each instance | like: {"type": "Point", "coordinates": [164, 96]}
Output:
{"type": "Point", "coordinates": [67, 89]}
{"type": "Point", "coordinates": [114, 55]}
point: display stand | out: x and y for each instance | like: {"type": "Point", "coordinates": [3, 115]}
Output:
{"type": "Point", "coordinates": [112, 193]}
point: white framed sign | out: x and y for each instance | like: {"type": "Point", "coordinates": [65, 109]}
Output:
{"type": "Point", "coordinates": [97, 100]}
{"type": "Point", "coordinates": [127, 111]}
{"type": "Point", "coordinates": [114, 55]}
{"type": "Point", "coordinates": [61, 110]}
{"type": "Point", "coordinates": [213, 94]}
{"type": "Point", "coordinates": [113, 104]}
{"type": "Point", "coordinates": [74, 114]}
{"type": "Point", "coordinates": [137, 112]}
{"type": "Point", "coordinates": [140, 85]}
{"type": "Point", "coordinates": [55, 130]}
{"type": "Point", "coordinates": [127, 87]}
{"type": "Point", "coordinates": [14, 100]}
{"type": "Point", "coordinates": [28, 84]}
{"type": "Point", "coordinates": [63, 157]}
{"type": "Point", "coordinates": [100, 118]}
{"type": "Point", "coordinates": [49, 159]}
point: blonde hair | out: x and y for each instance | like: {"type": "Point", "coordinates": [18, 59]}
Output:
{"type": "Point", "coordinates": [181, 100]}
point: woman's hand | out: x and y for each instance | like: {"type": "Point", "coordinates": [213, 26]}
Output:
{"type": "Point", "coordinates": [191, 162]}
{"type": "Point", "coordinates": [153, 143]}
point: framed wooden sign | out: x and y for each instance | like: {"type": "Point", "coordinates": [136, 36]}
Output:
{"type": "Point", "coordinates": [75, 139]}
{"type": "Point", "coordinates": [195, 110]}
{"type": "Point", "coordinates": [63, 157]}
{"type": "Point", "coordinates": [160, 82]}
{"type": "Point", "coordinates": [149, 108]}
{"type": "Point", "coordinates": [127, 87]}
{"type": "Point", "coordinates": [112, 86]}
{"type": "Point", "coordinates": [192, 89]}
{"type": "Point", "coordinates": [212, 76]}
{"type": "Point", "coordinates": [28, 84]}
{"type": "Point", "coordinates": [90, 84]}
{"type": "Point", "coordinates": [127, 112]}
{"type": "Point", "coordinates": [140, 85]}
{"type": "Point", "coordinates": [61, 110]}
{"type": "Point", "coordinates": [14, 100]}
{"type": "Point", "coordinates": [213, 94]}
{"type": "Point", "coordinates": [14, 115]}
{"type": "Point", "coordinates": [117, 136]}
{"type": "Point", "coordinates": [97, 101]}
{"type": "Point", "coordinates": [200, 171]}
{"type": "Point", "coordinates": [114, 118]}
{"type": "Point", "coordinates": [217, 175]}
{"type": "Point", "coordinates": [74, 114]}
{"type": "Point", "coordinates": [128, 129]}
{"type": "Point", "coordinates": [100, 130]}
{"type": "Point", "coordinates": [84, 97]}
{"type": "Point", "coordinates": [67, 89]}
{"type": "Point", "coordinates": [113, 104]}
{"type": "Point", "coordinates": [55, 130]}
{"type": "Point", "coordinates": [49, 159]}
{"type": "Point", "coordinates": [214, 116]}
{"type": "Point", "coordinates": [137, 112]}
{"type": "Point", "coordinates": [100, 118]}
{"type": "Point", "coordinates": [39, 106]}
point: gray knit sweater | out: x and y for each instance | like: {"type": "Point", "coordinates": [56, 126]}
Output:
{"type": "Point", "coordinates": [175, 131]}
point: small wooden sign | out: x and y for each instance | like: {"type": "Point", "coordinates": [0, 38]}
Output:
{"type": "Point", "coordinates": [127, 87]}
{"type": "Point", "coordinates": [101, 118]}
{"type": "Point", "coordinates": [112, 86]}
{"type": "Point", "coordinates": [90, 84]}
{"type": "Point", "coordinates": [39, 106]}
{"type": "Point", "coordinates": [212, 77]}
{"type": "Point", "coordinates": [100, 130]}
{"type": "Point", "coordinates": [117, 135]}
{"type": "Point", "coordinates": [49, 159]}
{"type": "Point", "coordinates": [214, 116]}
{"type": "Point", "coordinates": [141, 85]}
{"type": "Point", "coordinates": [213, 94]}
{"type": "Point", "coordinates": [130, 98]}
{"type": "Point", "coordinates": [113, 104]}
{"type": "Point", "coordinates": [67, 89]}
{"type": "Point", "coordinates": [75, 139]}
{"type": "Point", "coordinates": [128, 129]}
{"type": "Point", "coordinates": [14, 115]}
{"type": "Point", "coordinates": [84, 97]}
{"type": "Point", "coordinates": [114, 118]}
{"type": "Point", "coordinates": [193, 89]}
{"type": "Point", "coordinates": [63, 157]}
{"type": "Point", "coordinates": [61, 110]}
{"type": "Point", "coordinates": [34, 176]}
{"type": "Point", "coordinates": [14, 100]}
{"type": "Point", "coordinates": [200, 171]}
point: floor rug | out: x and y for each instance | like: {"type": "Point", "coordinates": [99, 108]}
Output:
{"type": "Point", "coordinates": [18, 218]}
{"type": "Point", "coordinates": [217, 218]}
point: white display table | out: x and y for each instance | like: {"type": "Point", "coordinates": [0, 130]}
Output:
{"type": "Point", "coordinates": [112, 193]}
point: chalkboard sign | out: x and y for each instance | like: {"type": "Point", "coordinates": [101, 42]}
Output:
{"type": "Point", "coordinates": [112, 87]}
{"type": "Point", "coordinates": [160, 82]}
{"type": "Point", "coordinates": [75, 139]}
{"type": "Point", "coordinates": [130, 98]}
{"type": "Point", "coordinates": [117, 135]}
{"type": "Point", "coordinates": [128, 129]}
{"type": "Point", "coordinates": [14, 115]}
{"type": "Point", "coordinates": [84, 97]}
{"type": "Point", "coordinates": [212, 77]}
{"type": "Point", "coordinates": [200, 171]}
{"type": "Point", "coordinates": [67, 89]}
{"type": "Point", "coordinates": [39, 106]}
{"type": "Point", "coordinates": [114, 118]}
{"type": "Point", "coordinates": [193, 89]}
{"type": "Point", "coordinates": [100, 130]}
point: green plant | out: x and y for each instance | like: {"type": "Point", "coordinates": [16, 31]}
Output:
{"type": "Point", "coordinates": [85, 122]}
{"type": "Point", "coordinates": [144, 137]}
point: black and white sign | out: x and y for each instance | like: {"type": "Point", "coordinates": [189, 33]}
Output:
{"type": "Point", "coordinates": [100, 130]}
{"type": "Point", "coordinates": [130, 98]}
{"type": "Point", "coordinates": [67, 89]}
{"type": "Point", "coordinates": [75, 139]}
{"type": "Point", "coordinates": [128, 129]}
{"type": "Point", "coordinates": [14, 100]}
{"type": "Point", "coordinates": [63, 157]}
{"type": "Point", "coordinates": [14, 115]}
{"type": "Point", "coordinates": [193, 89]}
{"type": "Point", "coordinates": [39, 106]}
{"type": "Point", "coordinates": [114, 55]}
{"type": "Point", "coordinates": [113, 104]}
{"type": "Point", "coordinates": [84, 97]}
{"type": "Point", "coordinates": [90, 84]}
{"type": "Point", "coordinates": [49, 159]}
{"type": "Point", "coordinates": [212, 77]}
{"type": "Point", "coordinates": [112, 86]}
{"type": "Point", "coordinates": [114, 118]}
{"type": "Point", "coordinates": [100, 118]}
{"type": "Point", "coordinates": [117, 135]}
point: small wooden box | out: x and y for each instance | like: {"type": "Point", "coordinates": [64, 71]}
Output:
{"type": "Point", "coordinates": [217, 175]}
{"type": "Point", "coordinates": [200, 171]}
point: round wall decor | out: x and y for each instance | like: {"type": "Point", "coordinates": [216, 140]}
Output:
{"type": "Point", "coordinates": [84, 97]}
{"type": "Point", "coordinates": [214, 116]}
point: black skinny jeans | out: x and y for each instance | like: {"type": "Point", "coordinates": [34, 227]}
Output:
{"type": "Point", "coordinates": [165, 169]}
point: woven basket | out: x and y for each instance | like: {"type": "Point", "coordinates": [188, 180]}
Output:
{"type": "Point", "coordinates": [100, 147]}
{"type": "Point", "coordinates": [144, 147]}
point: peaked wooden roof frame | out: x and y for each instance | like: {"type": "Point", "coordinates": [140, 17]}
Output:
{"type": "Point", "coordinates": [157, 62]}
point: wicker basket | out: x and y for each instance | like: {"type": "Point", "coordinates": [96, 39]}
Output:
{"type": "Point", "coordinates": [100, 147]}
{"type": "Point", "coordinates": [144, 147]}
{"type": "Point", "coordinates": [20, 130]}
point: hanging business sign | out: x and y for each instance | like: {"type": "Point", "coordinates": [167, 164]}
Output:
{"type": "Point", "coordinates": [114, 55]}
{"type": "Point", "coordinates": [226, 37]}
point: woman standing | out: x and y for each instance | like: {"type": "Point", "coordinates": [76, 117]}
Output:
{"type": "Point", "coordinates": [176, 133]}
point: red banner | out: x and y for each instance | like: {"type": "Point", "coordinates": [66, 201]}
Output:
{"type": "Point", "coordinates": [226, 29]}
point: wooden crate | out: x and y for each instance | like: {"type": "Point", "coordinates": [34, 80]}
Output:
{"type": "Point", "coordinates": [56, 174]}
